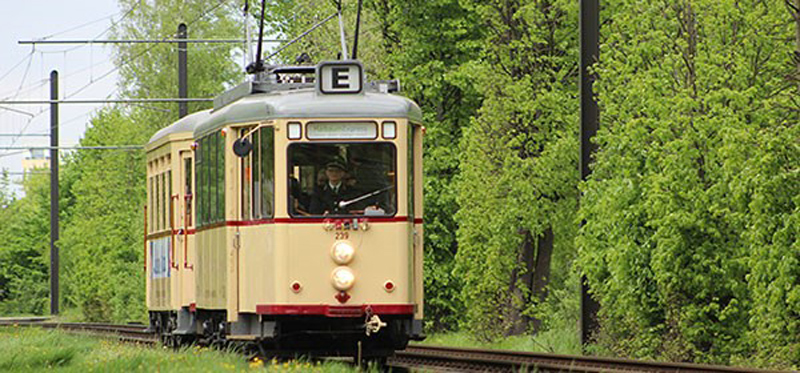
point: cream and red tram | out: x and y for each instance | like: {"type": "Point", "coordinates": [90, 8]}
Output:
{"type": "Point", "coordinates": [290, 215]}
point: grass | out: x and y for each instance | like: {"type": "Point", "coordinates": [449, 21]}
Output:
{"type": "Point", "coordinates": [550, 341]}
{"type": "Point", "coordinates": [34, 350]}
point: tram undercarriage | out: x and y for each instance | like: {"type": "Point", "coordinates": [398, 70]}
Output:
{"type": "Point", "coordinates": [368, 336]}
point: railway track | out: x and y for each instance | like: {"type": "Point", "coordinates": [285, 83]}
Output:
{"type": "Point", "coordinates": [131, 333]}
{"type": "Point", "coordinates": [449, 359]}
{"type": "Point", "coordinates": [437, 358]}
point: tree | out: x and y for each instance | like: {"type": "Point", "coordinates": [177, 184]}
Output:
{"type": "Point", "coordinates": [427, 45]}
{"type": "Point", "coordinates": [517, 188]}
{"type": "Point", "coordinates": [24, 248]}
{"type": "Point", "coordinates": [693, 101]}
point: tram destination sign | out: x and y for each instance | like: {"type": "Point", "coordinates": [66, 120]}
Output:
{"type": "Point", "coordinates": [341, 130]}
{"type": "Point", "coordinates": [340, 77]}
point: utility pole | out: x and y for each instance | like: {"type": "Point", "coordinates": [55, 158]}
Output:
{"type": "Point", "coordinates": [590, 53]}
{"type": "Point", "coordinates": [54, 193]}
{"type": "Point", "coordinates": [183, 88]}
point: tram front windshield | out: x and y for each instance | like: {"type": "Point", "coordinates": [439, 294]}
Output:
{"type": "Point", "coordinates": [342, 179]}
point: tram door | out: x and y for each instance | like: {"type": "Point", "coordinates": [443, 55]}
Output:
{"type": "Point", "coordinates": [185, 226]}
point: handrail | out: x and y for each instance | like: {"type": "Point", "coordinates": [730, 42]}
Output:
{"type": "Point", "coordinates": [172, 230]}
{"type": "Point", "coordinates": [187, 200]}
{"type": "Point", "coordinates": [145, 238]}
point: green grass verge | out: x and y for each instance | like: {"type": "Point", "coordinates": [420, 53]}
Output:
{"type": "Point", "coordinates": [550, 341]}
{"type": "Point", "coordinates": [35, 350]}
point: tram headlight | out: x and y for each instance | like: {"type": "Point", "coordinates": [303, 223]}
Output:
{"type": "Point", "coordinates": [343, 278]}
{"type": "Point", "coordinates": [342, 252]}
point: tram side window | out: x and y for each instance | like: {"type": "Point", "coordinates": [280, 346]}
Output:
{"type": "Point", "coordinates": [157, 225]}
{"type": "Point", "coordinates": [210, 179]}
{"type": "Point", "coordinates": [410, 171]}
{"type": "Point", "coordinates": [164, 201]}
{"type": "Point", "coordinates": [170, 208]}
{"type": "Point", "coordinates": [205, 186]}
{"type": "Point", "coordinates": [150, 205]}
{"type": "Point", "coordinates": [187, 187]}
{"type": "Point", "coordinates": [198, 174]}
{"type": "Point", "coordinates": [211, 145]}
{"type": "Point", "coordinates": [220, 180]}
{"type": "Point", "coordinates": [258, 174]}
{"type": "Point", "coordinates": [265, 180]}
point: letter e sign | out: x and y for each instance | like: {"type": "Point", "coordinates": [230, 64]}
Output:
{"type": "Point", "coordinates": [339, 77]}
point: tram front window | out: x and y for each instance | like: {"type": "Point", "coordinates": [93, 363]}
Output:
{"type": "Point", "coordinates": [342, 179]}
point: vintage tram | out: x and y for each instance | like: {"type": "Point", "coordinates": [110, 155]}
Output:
{"type": "Point", "coordinates": [289, 216]}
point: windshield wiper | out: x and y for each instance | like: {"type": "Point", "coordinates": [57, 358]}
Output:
{"type": "Point", "coordinates": [342, 204]}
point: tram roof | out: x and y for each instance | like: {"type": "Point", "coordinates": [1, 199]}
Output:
{"type": "Point", "coordinates": [301, 103]}
{"type": "Point", "coordinates": [307, 103]}
{"type": "Point", "coordinates": [185, 124]}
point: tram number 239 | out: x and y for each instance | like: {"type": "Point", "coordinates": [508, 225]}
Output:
{"type": "Point", "coordinates": [342, 235]}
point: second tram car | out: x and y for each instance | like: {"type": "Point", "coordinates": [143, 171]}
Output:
{"type": "Point", "coordinates": [290, 216]}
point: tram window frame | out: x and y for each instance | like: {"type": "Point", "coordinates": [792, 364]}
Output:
{"type": "Point", "coordinates": [199, 168]}
{"type": "Point", "coordinates": [212, 184]}
{"type": "Point", "coordinates": [170, 203]}
{"type": "Point", "coordinates": [164, 204]}
{"type": "Point", "coordinates": [188, 197]}
{"type": "Point", "coordinates": [266, 175]}
{"type": "Point", "coordinates": [289, 166]}
{"type": "Point", "coordinates": [150, 204]}
{"type": "Point", "coordinates": [157, 216]}
{"type": "Point", "coordinates": [220, 177]}
{"type": "Point", "coordinates": [246, 178]}
{"type": "Point", "coordinates": [410, 171]}
{"type": "Point", "coordinates": [210, 177]}
{"type": "Point", "coordinates": [201, 186]}
{"type": "Point", "coordinates": [206, 186]}
{"type": "Point", "coordinates": [258, 194]}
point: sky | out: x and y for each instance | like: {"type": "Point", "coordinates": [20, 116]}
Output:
{"type": "Point", "coordinates": [25, 69]}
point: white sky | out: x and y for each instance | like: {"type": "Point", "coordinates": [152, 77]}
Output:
{"type": "Point", "coordinates": [80, 68]}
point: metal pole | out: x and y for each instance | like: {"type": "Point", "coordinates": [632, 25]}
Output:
{"type": "Point", "coordinates": [341, 33]}
{"type": "Point", "coordinates": [183, 89]}
{"type": "Point", "coordinates": [54, 194]}
{"type": "Point", "coordinates": [358, 27]}
{"type": "Point", "coordinates": [590, 52]}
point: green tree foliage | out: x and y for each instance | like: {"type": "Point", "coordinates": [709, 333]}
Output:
{"type": "Point", "coordinates": [24, 246]}
{"type": "Point", "coordinates": [428, 43]}
{"type": "Point", "coordinates": [518, 158]}
{"type": "Point", "coordinates": [104, 239]}
{"type": "Point", "coordinates": [103, 267]}
{"type": "Point", "coordinates": [689, 210]}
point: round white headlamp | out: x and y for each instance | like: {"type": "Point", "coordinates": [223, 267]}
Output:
{"type": "Point", "coordinates": [342, 252]}
{"type": "Point", "coordinates": [343, 278]}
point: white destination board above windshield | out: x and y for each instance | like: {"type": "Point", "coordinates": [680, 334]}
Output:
{"type": "Point", "coordinates": [341, 130]}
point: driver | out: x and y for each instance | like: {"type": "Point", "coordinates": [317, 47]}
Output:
{"type": "Point", "coordinates": [327, 197]}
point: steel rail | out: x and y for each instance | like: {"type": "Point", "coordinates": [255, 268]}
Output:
{"type": "Point", "coordinates": [124, 333]}
{"type": "Point", "coordinates": [438, 358]}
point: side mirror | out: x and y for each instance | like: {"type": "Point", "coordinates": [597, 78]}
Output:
{"type": "Point", "coordinates": [242, 147]}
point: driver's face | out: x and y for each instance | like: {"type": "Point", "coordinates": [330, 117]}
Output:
{"type": "Point", "coordinates": [334, 174]}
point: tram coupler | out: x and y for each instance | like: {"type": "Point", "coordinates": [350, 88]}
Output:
{"type": "Point", "coordinates": [372, 322]}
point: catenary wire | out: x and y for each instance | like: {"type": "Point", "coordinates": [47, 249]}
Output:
{"type": "Point", "coordinates": [129, 60]}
